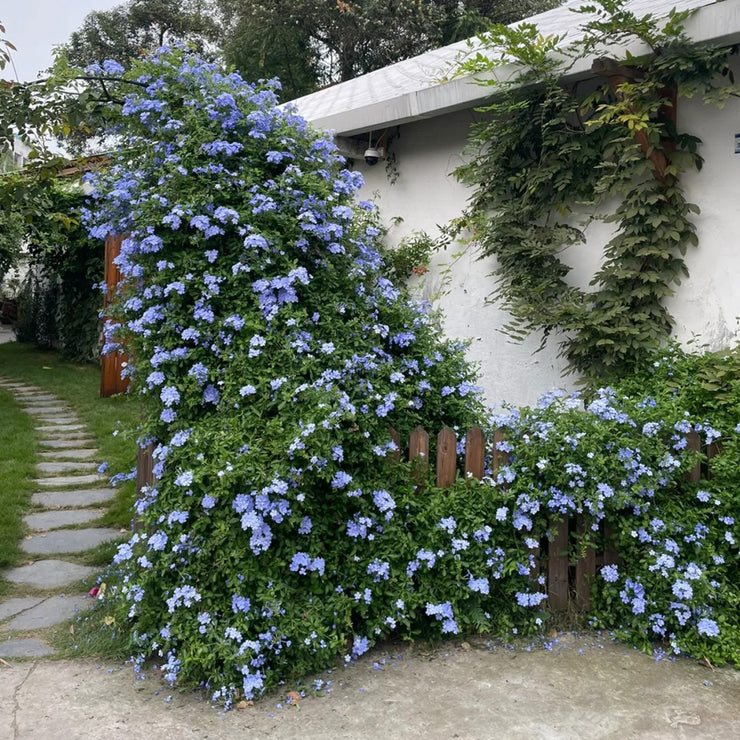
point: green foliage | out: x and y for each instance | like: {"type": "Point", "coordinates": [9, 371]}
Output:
{"type": "Point", "coordinates": [620, 465]}
{"type": "Point", "coordinates": [411, 256]}
{"type": "Point", "coordinates": [309, 44]}
{"type": "Point", "coordinates": [547, 158]}
{"type": "Point", "coordinates": [58, 302]}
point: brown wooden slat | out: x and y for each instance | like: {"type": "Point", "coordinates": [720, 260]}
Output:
{"type": "Point", "coordinates": [585, 570]}
{"type": "Point", "coordinates": [475, 452]}
{"type": "Point", "coordinates": [713, 450]}
{"type": "Point", "coordinates": [396, 437]}
{"type": "Point", "coordinates": [446, 458]}
{"type": "Point", "coordinates": [499, 458]}
{"type": "Point", "coordinates": [144, 467]}
{"type": "Point", "coordinates": [693, 443]}
{"type": "Point", "coordinates": [419, 453]}
{"type": "Point", "coordinates": [557, 568]}
{"type": "Point", "coordinates": [610, 556]}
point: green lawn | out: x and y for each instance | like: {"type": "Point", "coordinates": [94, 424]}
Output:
{"type": "Point", "coordinates": [79, 386]}
{"type": "Point", "coordinates": [17, 459]}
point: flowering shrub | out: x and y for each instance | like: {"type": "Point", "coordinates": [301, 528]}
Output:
{"type": "Point", "coordinates": [272, 358]}
{"type": "Point", "coordinates": [621, 463]}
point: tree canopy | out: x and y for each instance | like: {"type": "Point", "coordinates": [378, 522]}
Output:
{"type": "Point", "coordinates": [137, 26]}
{"type": "Point", "coordinates": [305, 43]}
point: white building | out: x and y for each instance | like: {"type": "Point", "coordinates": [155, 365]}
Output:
{"type": "Point", "coordinates": [426, 119]}
{"type": "Point", "coordinates": [17, 158]}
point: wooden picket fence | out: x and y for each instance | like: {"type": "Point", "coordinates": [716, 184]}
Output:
{"type": "Point", "coordinates": [568, 580]}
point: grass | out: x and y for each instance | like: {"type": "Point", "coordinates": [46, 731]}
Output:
{"type": "Point", "coordinates": [79, 386]}
{"type": "Point", "coordinates": [17, 460]}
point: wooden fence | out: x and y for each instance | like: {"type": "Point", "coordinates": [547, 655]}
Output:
{"type": "Point", "coordinates": [568, 579]}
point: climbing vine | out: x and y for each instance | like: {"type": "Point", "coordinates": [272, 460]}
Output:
{"type": "Point", "coordinates": [548, 151]}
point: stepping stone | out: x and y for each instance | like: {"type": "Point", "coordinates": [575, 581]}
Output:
{"type": "Point", "coordinates": [66, 467]}
{"type": "Point", "coordinates": [61, 518]}
{"type": "Point", "coordinates": [68, 540]}
{"type": "Point", "coordinates": [45, 407]}
{"type": "Point", "coordinates": [61, 444]}
{"type": "Point", "coordinates": [70, 480]}
{"type": "Point", "coordinates": [60, 499]}
{"type": "Point", "coordinates": [58, 420]}
{"type": "Point", "coordinates": [49, 573]}
{"type": "Point", "coordinates": [61, 429]}
{"type": "Point", "coordinates": [74, 453]}
{"type": "Point", "coordinates": [47, 412]}
{"type": "Point", "coordinates": [50, 611]}
{"type": "Point", "coordinates": [15, 606]}
{"type": "Point", "coordinates": [26, 648]}
{"type": "Point", "coordinates": [35, 399]}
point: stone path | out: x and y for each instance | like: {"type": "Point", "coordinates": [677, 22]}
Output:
{"type": "Point", "coordinates": [48, 588]}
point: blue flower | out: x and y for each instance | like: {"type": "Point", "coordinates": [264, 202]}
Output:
{"type": "Point", "coordinates": [341, 479]}
{"type": "Point", "coordinates": [480, 585]}
{"type": "Point", "coordinates": [708, 627]}
{"type": "Point", "coordinates": [169, 395]}
{"type": "Point", "coordinates": [360, 645]}
{"type": "Point", "coordinates": [610, 573]}
{"type": "Point", "coordinates": [184, 479]}
{"type": "Point", "coordinates": [384, 502]}
{"type": "Point", "coordinates": [447, 524]}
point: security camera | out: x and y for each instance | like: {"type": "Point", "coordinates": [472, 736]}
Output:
{"type": "Point", "coordinates": [372, 156]}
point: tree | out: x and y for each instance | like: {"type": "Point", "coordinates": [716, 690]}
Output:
{"type": "Point", "coordinates": [322, 42]}
{"type": "Point", "coordinates": [138, 26]}
{"type": "Point", "coordinates": [466, 18]}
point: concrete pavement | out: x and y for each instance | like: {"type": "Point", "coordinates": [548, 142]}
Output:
{"type": "Point", "coordinates": [581, 688]}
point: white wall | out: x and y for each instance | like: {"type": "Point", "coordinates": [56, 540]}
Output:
{"type": "Point", "coordinates": [426, 194]}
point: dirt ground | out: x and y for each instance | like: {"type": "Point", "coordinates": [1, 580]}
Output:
{"type": "Point", "coordinates": [576, 687]}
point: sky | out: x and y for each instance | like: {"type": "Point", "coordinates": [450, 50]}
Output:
{"type": "Point", "coordinates": [36, 26]}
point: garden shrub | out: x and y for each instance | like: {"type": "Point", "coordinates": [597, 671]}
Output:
{"type": "Point", "coordinates": [272, 358]}
{"type": "Point", "coordinates": [621, 462]}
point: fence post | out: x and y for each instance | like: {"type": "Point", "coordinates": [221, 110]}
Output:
{"type": "Point", "coordinates": [144, 467]}
{"type": "Point", "coordinates": [693, 443]}
{"type": "Point", "coordinates": [446, 458]}
{"type": "Point", "coordinates": [475, 452]}
{"type": "Point", "coordinates": [585, 569]}
{"type": "Point", "coordinates": [419, 452]}
{"type": "Point", "coordinates": [557, 567]}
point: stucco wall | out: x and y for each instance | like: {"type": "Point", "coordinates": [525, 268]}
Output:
{"type": "Point", "coordinates": [426, 194]}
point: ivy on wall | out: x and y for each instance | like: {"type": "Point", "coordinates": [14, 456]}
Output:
{"type": "Point", "coordinates": [547, 152]}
